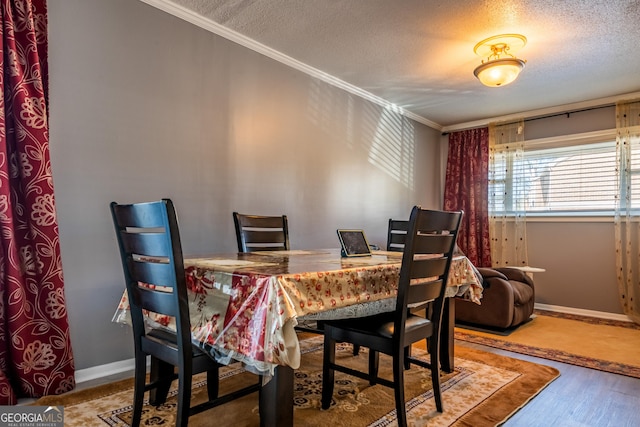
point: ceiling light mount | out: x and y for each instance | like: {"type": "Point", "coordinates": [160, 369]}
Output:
{"type": "Point", "coordinates": [501, 67]}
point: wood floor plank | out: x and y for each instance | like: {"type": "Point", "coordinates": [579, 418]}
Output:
{"type": "Point", "coordinates": [580, 397]}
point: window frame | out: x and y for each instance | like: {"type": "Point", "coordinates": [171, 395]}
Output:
{"type": "Point", "coordinates": [571, 140]}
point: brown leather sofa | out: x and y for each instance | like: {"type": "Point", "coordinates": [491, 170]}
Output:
{"type": "Point", "coordinates": [507, 300]}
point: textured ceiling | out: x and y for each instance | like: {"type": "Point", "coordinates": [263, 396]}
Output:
{"type": "Point", "coordinates": [418, 54]}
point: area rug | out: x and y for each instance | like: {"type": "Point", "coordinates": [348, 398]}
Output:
{"type": "Point", "coordinates": [484, 390]}
{"type": "Point", "coordinates": [606, 345]}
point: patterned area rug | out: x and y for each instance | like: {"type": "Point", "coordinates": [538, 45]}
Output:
{"type": "Point", "coordinates": [606, 345]}
{"type": "Point", "coordinates": [484, 390]}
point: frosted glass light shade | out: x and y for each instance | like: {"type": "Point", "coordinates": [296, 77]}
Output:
{"type": "Point", "coordinates": [499, 72]}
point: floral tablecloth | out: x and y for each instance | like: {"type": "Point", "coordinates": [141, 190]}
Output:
{"type": "Point", "coordinates": [244, 311]}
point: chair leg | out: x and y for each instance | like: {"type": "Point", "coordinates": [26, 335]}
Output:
{"type": "Point", "coordinates": [373, 366]}
{"type": "Point", "coordinates": [328, 358]}
{"type": "Point", "coordinates": [398, 379]}
{"type": "Point", "coordinates": [161, 372]}
{"type": "Point", "coordinates": [138, 390]}
{"type": "Point", "coordinates": [407, 355]}
{"type": "Point", "coordinates": [356, 349]}
{"type": "Point", "coordinates": [213, 383]}
{"type": "Point", "coordinates": [435, 374]}
{"type": "Point", "coordinates": [184, 396]}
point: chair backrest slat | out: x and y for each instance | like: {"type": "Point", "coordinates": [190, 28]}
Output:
{"type": "Point", "coordinates": [397, 234]}
{"type": "Point", "coordinates": [153, 273]}
{"type": "Point", "coordinates": [264, 236]}
{"type": "Point", "coordinates": [156, 301]}
{"type": "Point", "coordinates": [420, 293]}
{"type": "Point", "coordinates": [261, 233]}
{"type": "Point", "coordinates": [435, 221]}
{"type": "Point", "coordinates": [428, 268]}
{"type": "Point", "coordinates": [139, 215]}
{"type": "Point", "coordinates": [433, 243]}
{"type": "Point", "coordinates": [261, 221]}
{"type": "Point", "coordinates": [146, 244]}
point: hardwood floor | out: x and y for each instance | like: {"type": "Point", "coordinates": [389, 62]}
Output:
{"type": "Point", "coordinates": [580, 397]}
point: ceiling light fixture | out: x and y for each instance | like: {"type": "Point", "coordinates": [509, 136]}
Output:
{"type": "Point", "coordinates": [501, 67]}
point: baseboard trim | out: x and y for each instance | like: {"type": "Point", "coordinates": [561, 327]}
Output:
{"type": "Point", "coordinates": [101, 371]}
{"type": "Point", "coordinates": [583, 312]}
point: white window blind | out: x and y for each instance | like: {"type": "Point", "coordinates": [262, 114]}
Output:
{"type": "Point", "coordinates": [571, 175]}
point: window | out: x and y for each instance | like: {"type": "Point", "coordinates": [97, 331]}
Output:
{"type": "Point", "coordinates": [570, 175]}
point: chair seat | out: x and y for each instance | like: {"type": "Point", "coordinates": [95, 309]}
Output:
{"type": "Point", "coordinates": [381, 324]}
{"type": "Point", "coordinates": [163, 337]}
{"type": "Point", "coordinates": [169, 339]}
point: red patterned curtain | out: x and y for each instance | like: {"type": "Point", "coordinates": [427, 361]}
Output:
{"type": "Point", "coordinates": [35, 347]}
{"type": "Point", "coordinates": [467, 188]}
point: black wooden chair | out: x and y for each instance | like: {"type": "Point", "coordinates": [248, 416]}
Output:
{"type": "Point", "coordinates": [397, 234]}
{"type": "Point", "coordinates": [152, 261]}
{"type": "Point", "coordinates": [261, 233]}
{"type": "Point", "coordinates": [426, 260]}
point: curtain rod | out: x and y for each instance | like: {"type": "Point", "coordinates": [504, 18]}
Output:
{"type": "Point", "coordinates": [565, 113]}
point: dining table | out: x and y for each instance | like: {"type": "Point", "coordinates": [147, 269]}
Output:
{"type": "Point", "coordinates": [245, 307]}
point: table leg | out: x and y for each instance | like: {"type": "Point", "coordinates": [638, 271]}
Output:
{"type": "Point", "coordinates": [276, 399]}
{"type": "Point", "coordinates": [447, 334]}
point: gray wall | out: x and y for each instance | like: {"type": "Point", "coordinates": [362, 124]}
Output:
{"type": "Point", "coordinates": [145, 106]}
{"type": "Point", "coordinates": [580, 261]}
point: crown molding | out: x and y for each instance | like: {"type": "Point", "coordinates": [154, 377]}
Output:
{"type": "Point", "coordinates": [222, 31]}
{"type": "Point", "coordinates": [611, 100]}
